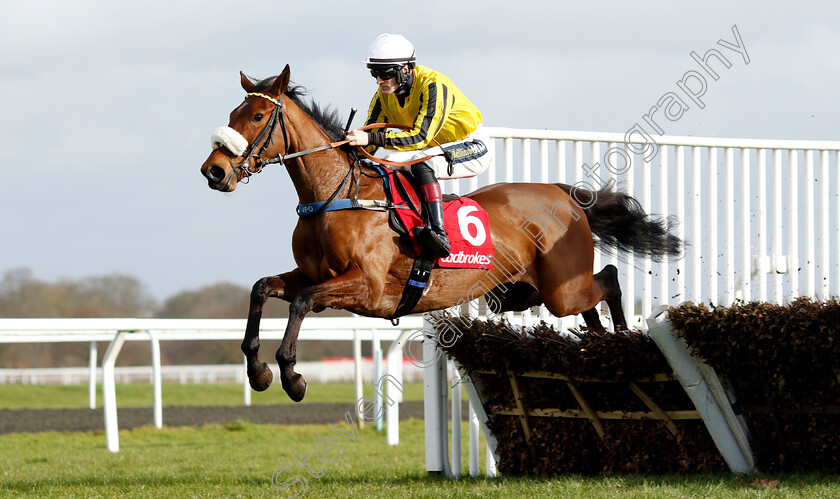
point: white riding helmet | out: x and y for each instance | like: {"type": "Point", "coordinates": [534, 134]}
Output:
{"type": "Point", "coordinates": [390, 50]}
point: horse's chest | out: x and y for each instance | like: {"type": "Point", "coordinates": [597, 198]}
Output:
{"type": "Point", "coordinates": [328, 252]}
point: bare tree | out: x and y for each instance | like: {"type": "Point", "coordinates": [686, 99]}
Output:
{"type": "Point", "coordinates": [116, 295]}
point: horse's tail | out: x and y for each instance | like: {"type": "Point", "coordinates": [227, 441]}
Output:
{"type": "Point", "coordinates": [619, 222]}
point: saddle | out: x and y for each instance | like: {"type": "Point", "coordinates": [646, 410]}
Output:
{"type": "Point", "coordinates": [467, 225]}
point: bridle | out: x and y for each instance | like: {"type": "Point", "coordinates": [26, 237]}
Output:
{"type": "Point", "coordinates": [266, 134]}
{"type": "Point", "coordinates": [265, 138]}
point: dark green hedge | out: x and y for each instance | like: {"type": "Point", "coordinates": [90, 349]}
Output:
{"type": "Point", "coordinates": [784, 364]}
{"type": "Point", "coordinates": [560, 445]}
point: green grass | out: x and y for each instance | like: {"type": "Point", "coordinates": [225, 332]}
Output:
{"type": "Point", "coordinates": [141, 395]}
{"type": "Point", "coordinates": [238, 460]}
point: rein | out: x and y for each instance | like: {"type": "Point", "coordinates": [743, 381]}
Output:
{"type": "Point", "coordinates": [386, 162]}
{"type": "Point", "coordinates": [268, 130]}
{"type": "Point", "coordinates": [277, 116]}
{"type": "Point", "coordinates": [267, 133]}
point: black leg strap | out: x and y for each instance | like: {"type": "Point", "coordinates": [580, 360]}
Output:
{"type": "Point", "coordinates": [417, 280]}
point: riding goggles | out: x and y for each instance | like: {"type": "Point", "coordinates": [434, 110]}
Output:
{"type": "Point", "coordinates": [385, 73]}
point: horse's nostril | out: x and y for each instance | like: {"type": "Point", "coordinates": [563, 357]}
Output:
{"type": "Point", "coordinates": [216, 173]}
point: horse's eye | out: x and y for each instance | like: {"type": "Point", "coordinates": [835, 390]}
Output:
{"type": "Point", "coordinates": [257, 117]}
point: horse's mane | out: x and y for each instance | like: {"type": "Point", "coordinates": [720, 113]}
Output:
{"type": "Point", "coordinates": [326, 117]}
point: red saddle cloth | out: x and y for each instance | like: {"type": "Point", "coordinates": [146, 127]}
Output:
{"type": "Point", "coordinates": [467, 225]}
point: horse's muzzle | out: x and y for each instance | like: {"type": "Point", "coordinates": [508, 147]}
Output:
{"type": "Point", "coordinates": [218, 178]}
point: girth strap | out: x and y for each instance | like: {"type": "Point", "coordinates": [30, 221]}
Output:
{"type": "Point", "coordinates": [306, 210]}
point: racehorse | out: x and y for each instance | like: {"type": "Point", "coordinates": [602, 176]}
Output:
{"type": "Point", "coordinates": [353, 260]}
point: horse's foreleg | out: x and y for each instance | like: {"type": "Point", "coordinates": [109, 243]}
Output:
{"type": "Point", "coordinates": [283, 286]}
{"type": "Point", "coordinates": [607, 280]}
{"type": "Point", "coordinates": [348, 290]}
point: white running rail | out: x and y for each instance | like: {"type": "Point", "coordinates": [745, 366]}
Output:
{"type": "Point", "coordinates": [117, 331]}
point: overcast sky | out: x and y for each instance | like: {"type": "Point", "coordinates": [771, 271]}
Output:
{"type": "Point", "coordinates": [106, 107]}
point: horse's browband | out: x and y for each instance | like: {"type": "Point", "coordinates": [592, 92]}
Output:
{"type": "Point", "coordinates": [266, 97]}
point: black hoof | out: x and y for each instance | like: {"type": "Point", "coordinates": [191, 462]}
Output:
{"type": "Point", "coordinates": [295, 387]}
{"type": "Point", "coordinates": [260, 379]}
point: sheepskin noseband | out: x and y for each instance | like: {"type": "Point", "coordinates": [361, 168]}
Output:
{"type": "Point", "coordinates": [230, 138]}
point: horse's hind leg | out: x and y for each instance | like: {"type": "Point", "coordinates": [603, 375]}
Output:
{"type": "Point", "coordinates": [281, 286]}
{"type": "Point", "coordinates": [593, 320]}
{"type": "Point", "coordinates": [607, 280]}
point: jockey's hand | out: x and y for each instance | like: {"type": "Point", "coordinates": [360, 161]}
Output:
{"type": "Point", "coordinates": [357, 138]}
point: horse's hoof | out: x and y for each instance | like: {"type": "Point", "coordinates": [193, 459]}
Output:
{"type": "Point", "coordinates": [260, 381]}
{"type": "Point", "coordinates": [296, 387]}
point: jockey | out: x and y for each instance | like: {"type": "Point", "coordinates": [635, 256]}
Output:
{"type": "Point", "coordinates": [438, 113]}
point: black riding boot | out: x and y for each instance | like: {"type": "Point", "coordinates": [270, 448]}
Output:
{"type": "Point", "coordinates": [433, 235]}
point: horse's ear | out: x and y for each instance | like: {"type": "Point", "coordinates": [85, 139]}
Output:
{"type": "Point", "coordinates": [247, 84]}
{"type": "Point", "coordinates": [281, 82]}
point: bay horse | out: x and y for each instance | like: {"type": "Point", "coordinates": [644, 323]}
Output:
{"type": "Point", "coordinates": [352, 260]}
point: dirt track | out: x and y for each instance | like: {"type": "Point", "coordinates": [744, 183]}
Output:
{"type": "Point", "coordinates": [29, 421]}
